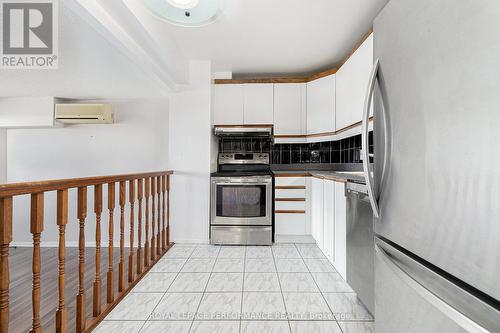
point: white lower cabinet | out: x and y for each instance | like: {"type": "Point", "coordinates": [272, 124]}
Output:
{"type": "Point", "coordinates": [320, 212]}
{"type": "Point", "coordinates": [317, 211]}
{"type": "Point", "coordinates": [290, 224]}
{"type": "Point", "coordinates": [329, 219]}
{"type": "Point", "coordinates": [339, 261]}
{"type": "Point", "coordinates": [290, 209]}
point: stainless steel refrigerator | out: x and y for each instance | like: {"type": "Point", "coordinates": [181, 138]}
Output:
{"type": "Point", "coordinates": [435, 183]}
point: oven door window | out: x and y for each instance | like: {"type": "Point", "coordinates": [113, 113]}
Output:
{"type": "Point", "coordinates": [241, 201]}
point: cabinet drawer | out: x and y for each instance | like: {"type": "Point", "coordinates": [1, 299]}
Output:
{"type": "Point", "coordinates": [290, 205]}
{"type": "Point", "coordinates": [290, 193]}
{"type": "Point", "coordinates": [290, 181]}
{"type": "Point", "coordinates": [290, 224]}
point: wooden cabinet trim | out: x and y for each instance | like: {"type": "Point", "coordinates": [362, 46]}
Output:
{"type": "Point", "coordinates": [332, 178]}
{"type": "Point", "coordinates": [246, 126]}
{"type": "Point", "coordinates": [290, 199]}
{"type": "Point", "coordinates": [316, 135]}
{"type": "Point", "coordinates": [289, 187]}
{"type": "Point", "coordinates": [289, 211]}
{"type": "Point", "coordinates": [290, 136]}
{"type": "Point", "coordinates": [292, 175]}
{"type": "Point", "coordinates": [262, 80]}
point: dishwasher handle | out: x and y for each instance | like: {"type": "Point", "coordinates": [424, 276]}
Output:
{"type": "Point", "coordinates": [357, 189]}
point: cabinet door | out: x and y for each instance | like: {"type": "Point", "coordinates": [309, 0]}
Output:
{"type": "Point", "coordinates": [228, 104]}
{"type": "Point", "coordinates": [258, 103]}
{"type": "Point", "coordinates": [317, 210]}
{"type": "Point", "coordinates": [340, 230]}
{"type": "Point", "coordinates": [321, 105]}
{"type": "Point", "coordinates": [289, 108]}
{"type": "Point", "coordinates": [352, 81]}
{"type": "Point", "coordinates": [328, 218]}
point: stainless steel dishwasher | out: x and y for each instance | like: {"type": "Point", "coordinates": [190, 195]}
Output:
{"type": "Point", "coordinates": [360, 243]}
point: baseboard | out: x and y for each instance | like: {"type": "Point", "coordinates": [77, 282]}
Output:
{"type": "Point", "coordinates": [294, 239]}
{"type": "Point", "coordinates": [191, 241]}
{"type": "Point", "coordinates": [68, 244]}
{"type": "Point", "coordinates": [279, 239]}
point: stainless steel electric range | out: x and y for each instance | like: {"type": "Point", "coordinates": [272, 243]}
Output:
{"type": "Point", "coordinates": [242, 200]}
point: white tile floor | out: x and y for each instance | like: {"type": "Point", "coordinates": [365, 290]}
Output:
{"type": "Point", "coordinates": [202, 288]}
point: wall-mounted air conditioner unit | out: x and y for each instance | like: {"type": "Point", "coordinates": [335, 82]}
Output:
{"type": "Point", "coordinates": [84, 113]}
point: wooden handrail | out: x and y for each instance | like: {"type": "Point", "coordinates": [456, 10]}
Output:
{"type": "Point", "coordinates": [143, 252]}
{"type": "Point", "coordinates": [15, 189]}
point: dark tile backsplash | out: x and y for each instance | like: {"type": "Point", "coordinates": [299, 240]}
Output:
{"type": "Point", "coordinates": [347, 150]}
{"type": "Point", "coordinates": [342, 151]}
{"type": "Point", "coordinates": [249, 145]}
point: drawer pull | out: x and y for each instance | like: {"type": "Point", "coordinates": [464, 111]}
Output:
{"type": "Point", "coordinates": [290, 199]}
{"type": "Point", "coordinates": [283, 187]}
{"type": "Point", "coordinates": [289, 211]}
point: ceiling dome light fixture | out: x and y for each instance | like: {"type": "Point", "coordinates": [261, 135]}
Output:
{"type": "Point", "coordinates": [186, 13]}
{"type": "Point", "coordinates": [184, 4]}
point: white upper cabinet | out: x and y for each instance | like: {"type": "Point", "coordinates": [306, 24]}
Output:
{"type": "Point", "coordinates": [239, 104]}
{"type": "Point", "coordinates": [321, 105]}
{"type": "Point", "coordinates": [290, 109]}
{"type": "Point", "coordinates": [352, 81]}
{"type": "Point", "coordinates": [258, 103]}
{"type": "Point", "coordinates": [228, 104]}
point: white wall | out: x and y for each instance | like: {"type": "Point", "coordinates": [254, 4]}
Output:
{"type": "Point", "coordinates": [17, 112]}
{"type": "Point", "coordinates": [3, 155]}
{"type": "Point", "coordinates": [89, 67]}
{"type": "Point", "coordinates": [189, 157]}
{"type": "Point", "coordinates": [137, 142]}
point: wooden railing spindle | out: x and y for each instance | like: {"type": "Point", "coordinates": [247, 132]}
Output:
{"type": "Point", "coordinates": [62, 220]}
{"type": "Point", "coordinates": [163, 233]}
{"type": "Point", "coordinates": [81, 316]}
{"type": "Point", "coordinates": [36, 221]}
{"type": "Point", "coordinates": [168, 210]}
{"type": "Point", "coordinates": [146, 243]}
{"type": "Point", "coordinates": [131, 186]}
{"type": "Point", "coordinates": [96, 300]}
{"type": "Point", "coordinates": [5, 239]}
{"type": "Point", "coordinates": [158, 236]}
{"type": "Point", "coordinates": [153, 220]}
{"type": "Point", "coordinates": [121, 265]}
{"type": "Point", "coordinates": [139, 225]}
{"type": "Point", "coordinates": [110, 289]}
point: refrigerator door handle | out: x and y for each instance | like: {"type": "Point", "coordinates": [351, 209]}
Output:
{"type": "Point", "coordinates": [364, 139]}
{"type": "Point", "coordinates": [465, 309]}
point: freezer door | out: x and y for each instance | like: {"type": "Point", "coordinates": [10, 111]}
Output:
{"type": "Point", "coordinates": [439, 82]}
{"type": "Point", "coordinates": [411, 297]}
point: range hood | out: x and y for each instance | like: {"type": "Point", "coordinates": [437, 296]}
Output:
{"type": "Point", "coordinates": [244, 130]}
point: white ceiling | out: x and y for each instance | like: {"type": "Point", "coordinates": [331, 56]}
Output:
{"type": "Point", "coordinates": [270, 36]}
{"type": "Point", "coordinates": [116, 49]}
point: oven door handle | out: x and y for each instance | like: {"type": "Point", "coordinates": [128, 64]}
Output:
{"type": "Point", "coordinates": [229, 181]}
